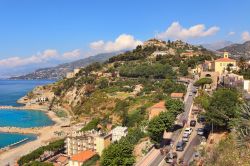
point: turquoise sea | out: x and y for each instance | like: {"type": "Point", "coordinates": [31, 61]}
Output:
{"type": "Point", "coordinates": [10, 92]}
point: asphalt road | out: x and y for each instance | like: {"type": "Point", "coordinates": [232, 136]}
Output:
{"type": "Point", "coordinates": [183, 116]}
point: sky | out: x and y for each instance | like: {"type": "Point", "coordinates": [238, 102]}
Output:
{"type": "Point", "coordinates": [41, 33]}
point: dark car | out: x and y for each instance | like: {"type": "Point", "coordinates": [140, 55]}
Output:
{"type": "Point", "coordinates": [192, 123]}
{"type": "Point", "coordinates": [180, 146]}
{"type": "Point", "coordinates": [201, 119]}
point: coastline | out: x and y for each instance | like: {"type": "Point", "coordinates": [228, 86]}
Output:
{"type": "Point", "coordinates": [44, 134]}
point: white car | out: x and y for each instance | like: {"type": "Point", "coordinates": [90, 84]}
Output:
{"type": "Point", "coordinates": [185, 137]}
{"type": "Point", "coordinates": [188, 130]}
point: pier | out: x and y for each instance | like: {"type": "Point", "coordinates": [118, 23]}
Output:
{"type": "Point", "coordinates": [6, 107]}
{"type": "Point", "coordinates": [14, 144]}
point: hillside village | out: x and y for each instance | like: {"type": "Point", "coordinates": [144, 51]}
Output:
{"type": "Point", "coordinates": [138, 105]}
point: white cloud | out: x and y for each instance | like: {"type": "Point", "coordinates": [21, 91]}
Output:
{"type": "Point", "coordinates": [48, 55]}
{"type": "Point", "coordinates": [231, 33]}
{"type": "Point", "coordinates": [72, 54]}
{"type": "Point", "coordinates": [176, 31]}
{"type": "Point", "coordinates": [245, 36]}
{"type": "Point", "coordinates": [122, 42]}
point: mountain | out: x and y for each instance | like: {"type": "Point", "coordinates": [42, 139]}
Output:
{"type": "Point", "coordinates": [217, 45]}
{"type": "Point", "coordinates": [238, 50]}
{"type": "Point", "coordinates": [60, 71]}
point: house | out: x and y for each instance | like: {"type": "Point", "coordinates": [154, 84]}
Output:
{"type": "Point", "coordinates": [247, 85]}
{"type": "Point", "coordinates": [82, 157]}
{"type": "Point", "coordinates": [42, 99]}
{"type": "Point", "coordinates": [156, 109]}
{"type": "Point", "coordinates": [118, 133]}
{"type": "Point", "coordinates": [179, 96]}
{"type": "Point", "coordinates": [221, 64]}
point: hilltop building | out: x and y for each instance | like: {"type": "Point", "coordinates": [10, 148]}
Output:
{"type": "Point", "coordinates": [221, 64]}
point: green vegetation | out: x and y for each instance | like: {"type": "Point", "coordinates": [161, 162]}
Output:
{"type": "Point", "coordinates": [53, 146]}
{"type": "Point", "coordinates": [203, 81]}
{"type": "Point", "coordinates": [156, 70]}
{"type": "Point", "coordinates": [121, 153]}
{"type": "Point", "coordinates": [91, 125]}
{"type": "Point", "coordinates": [223, 108]}
{"type": "Point", "coordinates": [37, 163]}
{"type": "Point", "coordinates": [165, 120]}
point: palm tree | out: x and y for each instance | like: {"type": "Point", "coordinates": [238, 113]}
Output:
{"type": "Point", "coordinates": [242, 63]}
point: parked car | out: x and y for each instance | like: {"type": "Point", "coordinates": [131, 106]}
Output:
{"type": "Point", "coordinates": [180, 146]}
{"type": "Point", "coordinates": [201, 119]}
{"type": "Point", "coordinates": [188, 130]}
{"type": "Point", "coordinates": [192, 123]}
{"type": "Point", "coordinates": [171, 157]}
{"type": "Point", "coordinates": [200, 131]}
{"type": "Point", "coordinates": [185, 137]}
{"type": "Point", "coordinates": [190, 94]}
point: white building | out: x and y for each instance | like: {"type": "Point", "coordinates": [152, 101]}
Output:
{"type": "Point", "coordinates": [118, 133]}
{"type": "Point", "coordinates": [247, 85]}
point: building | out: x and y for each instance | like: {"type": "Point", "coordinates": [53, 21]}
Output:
{"type": "Point", "coordinates": [179, 96]}
{"type": "Point", "coordinates": [247, 85]}
{"type": "Point", "coordinates": [156, 109]}
{"type": "Point", "coordinates": [76, 71]}
{"type": "Point", "coordinates": [118, 133]}
{"type": "Point", "coordinates": [42, 99]}
{"type": "Point", "coordinates": [101, 142]}
{"type": "Point", "coordinates": [90, 140]}
{"type": "Point", "coordinates": [162, 53]}
{"type": "Point", "coordinates": [70, 75]}
{"type": "Point", "coordinates": [221, 64]}
{"type": "Point", "coordinates": [82, 157]}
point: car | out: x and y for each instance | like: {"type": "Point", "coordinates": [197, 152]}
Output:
{"type": "Point", "coordinates": [201, 119]}
{"type": "Point", "coordinates": [185, 137]}
{"type": "Point", "coordinates": [192, 123]}
{"type": "Point", "coordinates": [200, 131]}
{"type": "Point", "coordinates": [190, 94]}
{"type": "Point", "coordinates": [171, 157]}
{"type": "Point", "coordinates": [188, 130]}
{"type": "Point", "coordinates": [180, 146]}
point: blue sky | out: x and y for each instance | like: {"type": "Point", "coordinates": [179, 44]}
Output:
{"type": "Point", "coordinates": [51, 28]}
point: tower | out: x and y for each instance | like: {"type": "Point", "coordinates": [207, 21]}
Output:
{"type": "Point", "coordinates": [225, 54]}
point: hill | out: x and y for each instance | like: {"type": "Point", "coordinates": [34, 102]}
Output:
{"type": "Point", "coordinates": [58, 72]}
{"type": "Point", "coordinates": [238, 50]}
{"type": "Point", "coordinates": [217, 45]}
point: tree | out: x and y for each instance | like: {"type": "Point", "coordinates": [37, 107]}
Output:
{"type": "Point", "coordinates": [223, 108]}
{"type": "Point", "coordinates": [103, 83]}
{"type": "Point", "coordinates": [242, 63]}
{"type": "Point", "coordinates": [203, 81]}
{"type": "Point", "coordinates": [183, 69]}
{"type": "Point", "coordinates": [158, 124]}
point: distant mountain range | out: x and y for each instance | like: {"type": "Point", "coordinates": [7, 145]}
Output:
{"type": "Point", "coordinates": [217, 45]}
{"type": "Point", "coordinates": [238, 50]}
{"type": "Point", "coordinates": [60, 71]}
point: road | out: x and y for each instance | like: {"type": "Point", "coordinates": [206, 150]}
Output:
{"type": "Point", "coordinates": [184, 116]}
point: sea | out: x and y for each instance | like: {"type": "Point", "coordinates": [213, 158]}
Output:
{"type": "Point", "coordinates": [10, 92]}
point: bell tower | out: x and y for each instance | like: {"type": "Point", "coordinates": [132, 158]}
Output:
{"type": "Point", "coordinates": [225, 54]}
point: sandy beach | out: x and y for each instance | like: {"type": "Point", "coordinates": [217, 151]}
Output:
{"type": "Point", "coordinates": [44, 135]}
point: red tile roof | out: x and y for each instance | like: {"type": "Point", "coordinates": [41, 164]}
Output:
{"type": "Point", "coordinates": [83, 156]}
{"type": "Point", "coordinates": [225, 60]}
{"type": "Point", "coordinates": [161, 104]}
{"type": "Point", "coordinates": [177, 95]}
